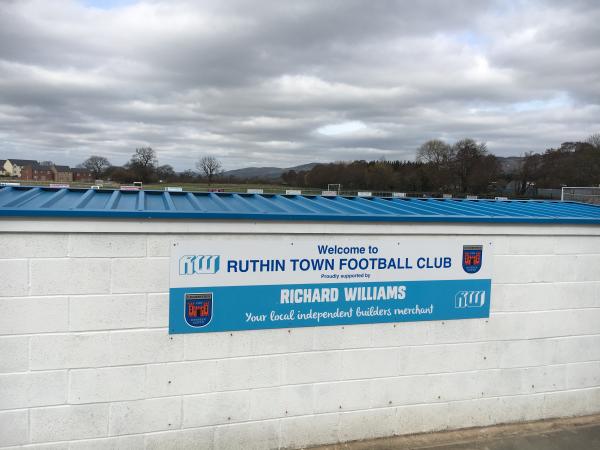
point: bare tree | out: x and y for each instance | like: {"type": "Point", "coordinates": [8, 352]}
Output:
{"type": "Point", "coordinates": [209, 166]}
{"type": "Point", "coordinates": [435, 151]}
{"type": "Point", "coordinates": [144, 157]}
{"type": "Point", "coordinates": [594, 140]}
{"type": "Point", "coordinates": [143, 164]}
{"type": "Point", "coordinates": [97, 165]}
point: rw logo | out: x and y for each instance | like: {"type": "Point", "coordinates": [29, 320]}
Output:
{"type": "Point", "coordinates": [469, 299]}
{"type": "Point", "coordinates": [198, 264]}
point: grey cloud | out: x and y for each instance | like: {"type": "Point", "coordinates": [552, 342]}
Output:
{"type": "Point", "coordinates": [253, 82]}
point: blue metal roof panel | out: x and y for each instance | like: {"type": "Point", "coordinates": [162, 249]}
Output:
{"type": "Point", "coordinates": [29, 201]}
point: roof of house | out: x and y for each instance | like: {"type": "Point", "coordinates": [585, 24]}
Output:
{"type": "Point", "coordinates": [23, 162]}
{"type": "Point", "coordinates": [39, 166]}
{"type": "Point", "coordinates": [62, 168]}
{"type": "Point", "coordinates": [72, 202]}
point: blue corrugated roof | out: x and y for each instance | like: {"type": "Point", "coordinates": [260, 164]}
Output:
{"type": "Point", "coordinates": [26, 201]}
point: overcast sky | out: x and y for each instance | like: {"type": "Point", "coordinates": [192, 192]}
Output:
{"type": "Point", "coordinates": [280, 83]}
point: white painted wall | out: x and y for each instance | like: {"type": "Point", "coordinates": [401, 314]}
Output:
{"type": "Point", "coordinates": [86, 360]}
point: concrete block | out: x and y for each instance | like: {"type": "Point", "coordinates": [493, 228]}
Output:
{"type": "Point", "coordinates": [576, 349]}
{"type": "Point", "coordinates": [519, 325]}
{"type": "Point", "coordinates": [27, 389]}
{"type": "Point", "coordinates": [566, 403]}
{"type": "Point", "coordinates": [140, 275]}
{"type": "Point", "coordinates": [218, 345]}
{"type": "Point", "coordinates": [15, 277]}
{"type": "Point", "coordinates": [158, 310]}
{"type": "Point", "coordinates": [38, 245]}
{"type": "Point", "coordinates": [342, 396]}
{"type": "Point", "coordinates": [281, 401]}
{"type": "Point", "coordinates": [304, 431]}
{"type": "Point", "coordinates": [283, 340]}
{"type": "Point", "coordinates": [160, 244]}
{"type": "Point", "coordinates": [70, 276]}
{"type": "Point", "coordinates": [593, 400]}
{"type": "Point", "coordinates": [343, 337]}
{"type": "Point", "coordinates": [216, 408]}
{"type": "Point", "coordinates": [370, 363]}
{"type": "Point", "coordinates": [586, 268]}
{"type": "Point", "coordinates": [388, 392]}
{"type": "Point", "coordinates": [107, 312]}
{"type": "Point", "coordinates": [473, 413]}
{"type": "Point", "coordinates": [540, 352]}
{"type": "Point", "coordinates": [527, 380]}
{"type": "Point", "coordinates": [15, 354]}
{"type": "Point", "coordinates": [368, 424]}
{"type": "Point", "coordinates": [523, 353]}
{"type": "Point", "coordinates": [446, 358]}
{"type": "Point", "coordinates": [107, 384]}
{"type": "Point", "coordinates": [583, 375]}
{"type": "Point", "coordinates": [249, 436]}
{"type": "Point", "coordinates": [22, 315]}
{"type": "Point", "coordinates": [524, 269]}
{"type": "Point", "coordinates": [61, 351]}
{"type": "Point", "coordinates": [401, 334]}
{"type": "Point", "coordinates": [449, 331]}
{"type": "Point", "coordinates": [520, 408]}
{"type": "Point", "coordinates": [420, 389]}
{"type": "Point", "coordinates": [577, 245]}
{"type": "Point", "coordinates": [14, 427]}
{"type": "Point", "coordinates": [142, 416]}
{"type": "Point", "coordinates": [64, 423]}
{"type": "Point", "coordinates": [312, 367]}
{"type": "Point", "coordinates": [422, 418]}
{"type": "Point", "coordinates": [180, 378]}
{"type": "Point", "coordinates": [107, 245]}
{"type": "Point", "coordinates": [201, 438]}
{"type": "Point", "coordinates": [247, 373]}
{"type": "Point", "coordinates": [543, 268]}
{"type": "Point", "coordinates": [524, 245]}
{"type": "Point", "coordinates": [135, 442]}
{"type": "Point", "coordinates": [145, 346]}
{"type": "Point", "coordinates": [544, 296]}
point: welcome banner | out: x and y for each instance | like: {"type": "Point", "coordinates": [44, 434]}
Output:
{"type": "Point", "coordinates": [226, 283]}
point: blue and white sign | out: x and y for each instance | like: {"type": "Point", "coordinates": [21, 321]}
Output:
{"type": "Point", "coordinates": [227, 283]}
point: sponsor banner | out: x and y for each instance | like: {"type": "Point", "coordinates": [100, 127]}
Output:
{"type": "Point", "coordinates": [227, 283]}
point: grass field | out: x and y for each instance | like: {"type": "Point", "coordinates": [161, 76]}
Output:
{"type": "Point", "coordinates": [188, 187]}
{"type": "Point", "coordinates": [225, 187]}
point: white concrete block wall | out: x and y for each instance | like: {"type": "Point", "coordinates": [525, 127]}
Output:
{"type": "Point", "coordinates": [87, 361]}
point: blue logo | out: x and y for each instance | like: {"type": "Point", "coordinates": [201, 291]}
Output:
{"type": "Point", "coordinates": [198, 309]}
{"type": "Point", "coordinates": [472, 258]}
{"type": "Point", "coordinates": [198, 264]}
{"type": "Point", "coordinates": [469, 299]}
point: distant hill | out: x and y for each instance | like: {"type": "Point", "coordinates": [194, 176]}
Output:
{"type": "Point", "coordinates": [508, 164]}
{"type": "Point", "coordinates": [269, 173]}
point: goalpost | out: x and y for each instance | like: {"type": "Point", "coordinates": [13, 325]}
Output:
{"type": "Point", "coordinates": [335, 187]}
{"type": "Point", "coordinates": [589, 194]}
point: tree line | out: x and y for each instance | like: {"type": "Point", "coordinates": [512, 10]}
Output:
{"type": "Point", "coordinates": [465, 166]}
{"type": "Point", "coordinates": [143, 166]}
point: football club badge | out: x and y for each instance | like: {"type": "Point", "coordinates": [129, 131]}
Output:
{"type": "Point", "coordinates": [472, 258]}
{"type": "Point", "coordinates": [198, 309]}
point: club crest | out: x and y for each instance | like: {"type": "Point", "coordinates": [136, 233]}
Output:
{"type": "Point", "coordinates": [472, 258]}
{"type": "Point", "coordinates": [198, 309]}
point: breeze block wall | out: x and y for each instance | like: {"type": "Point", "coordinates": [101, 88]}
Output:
{"type": "Point", "coordinates": [87, 361]}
